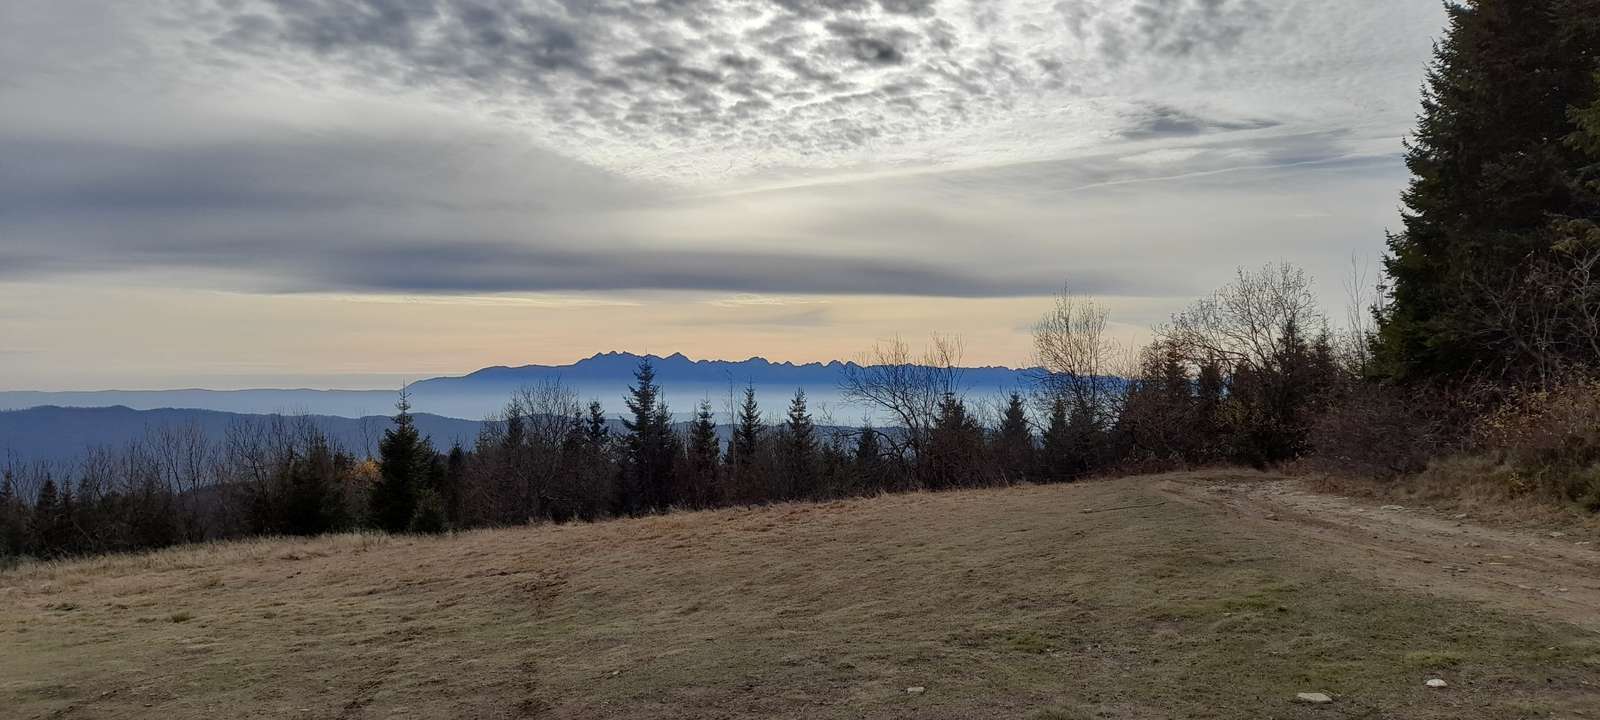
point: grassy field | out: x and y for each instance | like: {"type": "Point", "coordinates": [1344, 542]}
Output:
{"type": "Point", "coordinates": [1002, 603]}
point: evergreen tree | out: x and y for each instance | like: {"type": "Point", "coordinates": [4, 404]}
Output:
{"type": "Point", "coordinates": [405, 460]}
{"type": "Point", "coordinates": [834, 475]}
{"type": "Point", "coordinates": [1277, 402]}
{"type": "Point", "coordinates": [1209, 388]}
{"type": "Point", "coordinates": [744, 452]}
{"type": "Point", "coordinates": [870, 469]}
{"type": "Point", "coordinates": [455, 477]}
{"type": "Point", "coordinates": [954, 457]}
{"type": "Point", "coordinates": [50, 519]}
{"type": "Point", "coordinates": [13, 518]}
{"type": "Point", "coordinates": [1494, 178]}
{"type": "Point", "coordinates": [704, 452]}
{"type": "Point", "coordinates": [747, 433]}
{"type": "Point", "coordinates": [799, 450]}
{"type": "Point", "coordinates": [650, 445]}
{"type": "Point", "coordinates": [1013, 442]}
{"type": "Point", "coordinates": [1056, 463]}
{"type": "Point", "coordinates": [596, 428]}
{"type": "Point", "coordinates": [313, 502]}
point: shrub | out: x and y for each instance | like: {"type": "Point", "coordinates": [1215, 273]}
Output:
{"type": "Point", "coordinates": [1551, 438]}
{"type": "Point", "coordinates": [1380, 431]}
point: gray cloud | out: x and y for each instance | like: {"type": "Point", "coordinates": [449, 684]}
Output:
{"type": "Point", "coordinates": [411, 213]}
{"type": "Point", "coordinates": [810, 76]}
{"type": "Point", "coordinates": [1170, 29]}
{"type": "Point", "coordinates": [169, 166]}
{"type": "Point", "coordinates": [1164, 121]}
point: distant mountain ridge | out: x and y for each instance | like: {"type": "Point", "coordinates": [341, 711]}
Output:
{"type": "Point", "coordinates": [63, 434]}
{"type": "Point", "coordinates": [604, 376]}
{"type": "Point", "coordinates": [677, 366]}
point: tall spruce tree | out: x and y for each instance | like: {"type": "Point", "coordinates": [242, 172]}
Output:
{"type": "Point", "coordinates": [650, 444]}
{"type": "Point", "coordinates": [405, 460]}
{"type": "Point", "coordinates": [313, 503]}
{"type": "Point", "coordinates": [1013, 442]}
{"type": "Point", "coordinates": [747, 433]}
{"type": "Point", "coordinates": [799, 450]}
{"type": "Point", "coordinates": [1056, 461]}
{"type": "Point", "coordinates": [954, 456]}
{"type": "Point", "coordinates": [744, 451]}
{"type": "Point", "coordinates": [701, 486]}
{"type": "Point", "coordinates": [1495, 177]}
{"type": "Point", "coordinates": [50, 521]}
{"type": "Point", "coordinates": [595, 427]}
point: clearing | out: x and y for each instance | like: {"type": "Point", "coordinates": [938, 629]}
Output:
{"type": "Point", "coordinates": [1203, 595]}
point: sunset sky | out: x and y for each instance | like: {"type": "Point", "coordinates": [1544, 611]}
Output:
{"type": "Point", "coordinates": [343, 193]}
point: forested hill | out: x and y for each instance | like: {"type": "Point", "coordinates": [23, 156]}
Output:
{"type": "Point", "coordinates": [605, 376]}
{"type": "Point", "coordinates": [64, 435]}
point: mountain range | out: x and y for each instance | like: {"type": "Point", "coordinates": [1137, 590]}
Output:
{"type": "Point", "coordinates": [63, 435]}
{"type": "Point", "coordinates": [480, 394]}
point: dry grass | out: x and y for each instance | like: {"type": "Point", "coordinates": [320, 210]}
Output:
{"type": "Point", "coordinates": [1478, 485]}
{"type": "Point", "coordinates": [1004, 603]}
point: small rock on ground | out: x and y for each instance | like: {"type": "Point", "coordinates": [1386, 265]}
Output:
{"type": "Point", "coordinates": [1436, 683]}
{"type": "Point", "coordinates": [918, 690]}
{"type": "Point", "coordinates": [1313, 698]}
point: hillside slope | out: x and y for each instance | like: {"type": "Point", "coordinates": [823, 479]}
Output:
{"type": "Point", "coordinates": [1136, 598]}
{"type": "Point", "coordinates": [64, 435]}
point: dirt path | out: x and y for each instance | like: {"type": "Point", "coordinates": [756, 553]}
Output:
{"type": "Point", "coordinates": [1551, 576]}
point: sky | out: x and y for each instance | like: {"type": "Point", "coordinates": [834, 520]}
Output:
{"type": "Point", "coordinates": [348, 193]}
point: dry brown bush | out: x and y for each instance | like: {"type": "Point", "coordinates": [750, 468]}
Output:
{"type": "Point", "coordinates": [1383, 432]}
{"type": "Point", "coordinates": [1550, 439]}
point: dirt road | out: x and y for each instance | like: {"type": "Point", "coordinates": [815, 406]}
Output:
{"type": "Point", "coordinates": [1553, 575]}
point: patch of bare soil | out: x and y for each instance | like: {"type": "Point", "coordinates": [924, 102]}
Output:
{"type": "Point", "coordinates": [1554, 574]}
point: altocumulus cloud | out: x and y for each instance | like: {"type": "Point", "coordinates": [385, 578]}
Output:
{"type": "Point", "coordinates": [794, 146]}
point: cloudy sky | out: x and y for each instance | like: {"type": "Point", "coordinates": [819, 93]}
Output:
{"type": "Point", "coordinates": [232, 193]}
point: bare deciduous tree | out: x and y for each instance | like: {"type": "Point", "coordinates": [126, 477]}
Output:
{"type": "Point", "coordinates": [1079, 363]}
{"type": "Point", "coordinates": [905, 388]}
{"type": "Point", "coordinates": [1242, 324]}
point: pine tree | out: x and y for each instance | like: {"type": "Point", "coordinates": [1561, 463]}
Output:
{"type": "Point", "coordinates": [49, 521]}
{"type": "Point", "coordinates": [1013, 442]}
{"type": "Point", "coordinates": [744, 452]}
{"type": "Point", "coordinates": [650, 444]}
{"type": "Point", "coordinates": [747, 433]}
{"type": "Point", "coordinates": [834, 476]}
{"type": "Point", "coordinates": [405, 458]}
{"type": "Point", "coordinates": [799, 450]}
{"type": "Point", "coordinates": [704, 459]}
{"type": "Point", "coordinates": [455, 477]}
{"type": "Point", "coordinates": [1056, 463]}
{"type": "Point", "coordinates": [596, 428]}
{"type": "Point", "coordinates": [1494, 175]}
{"type": "Point", "coordinates": [313, 503]}
{"type": "Point", "coordinates": [13, 518]}
{"type": "Point", "coordinates": [870, 468]}
{"type": "Point", "coordinates": [954, 456]}
{"type": "Point", "coordinates": [1209, 388]}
